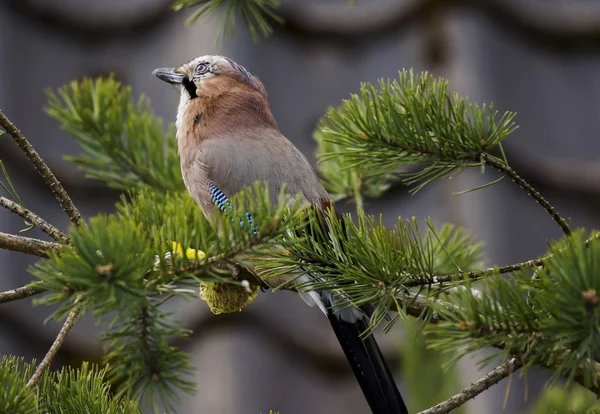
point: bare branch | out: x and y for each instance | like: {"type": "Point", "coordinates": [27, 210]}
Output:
{"type": "Point", "coordinates": [510, 173]}
{"type": "Point", "coordinates": [475, 389]}
{"type": "Point", "coordinates": [27, 245]}
{"type": "Point", "coordinates": [62, 334]}
{"type": "Point", "coordinates": [20, 293]}
{"type": "Point", "coordinates": [477, 274]}
{"type": "Point", "coordinates": [43, 169]}
{"type": "Point", "coordinates": [36, 220]}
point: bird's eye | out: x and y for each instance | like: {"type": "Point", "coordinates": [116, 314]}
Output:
{"type": "Point", "coordinates": [202, 68]}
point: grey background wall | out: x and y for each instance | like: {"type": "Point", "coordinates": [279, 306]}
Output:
{"type": "Point", "coordinates": [539, 58]}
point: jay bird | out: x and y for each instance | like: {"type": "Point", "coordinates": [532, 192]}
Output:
{"type": "Point", "coordinates": [227, 139]}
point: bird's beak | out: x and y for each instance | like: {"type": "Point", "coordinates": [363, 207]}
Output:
{"type": "Point", "coordinates": [169, 75]}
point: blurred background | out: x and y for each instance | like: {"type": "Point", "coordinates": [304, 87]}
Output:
{"type": "Point", "coordinates": [538, 58]}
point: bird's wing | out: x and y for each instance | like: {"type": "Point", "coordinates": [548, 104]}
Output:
{"type": "Point", "coordinates": [261, 155]}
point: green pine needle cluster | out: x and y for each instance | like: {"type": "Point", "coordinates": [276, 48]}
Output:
{"type": "Point", "coordinates": [412, 121]}
{"type": "Point", "coordinates": [123, 143]}
{"type": "Point", "coordinates": [256, 14]}
{"type": "Point", "coordinates": [524, 316]}
{"type": "Point", "coordinates": [142, 363]}
{"type": "Point", "coordinates": [370, 263]}
{"type": "Point", "coordinates": [15, 397]}
{"type": "Point", "coordinates": [68, 391]}
{"type": "Point", "coordinates": [343, 182]}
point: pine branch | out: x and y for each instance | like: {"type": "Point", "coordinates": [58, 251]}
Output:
{"type": "Point", "coordinates": [548, 321]}
{"type": "Point", "coordinates": [477, 274]}
{"type": "Point", "coordinates": [81, 390]}
{"type": "Point", "coordinates": [123, 142]}
{"type": "Point", "coordinates": [20, 293]}
{"type": "Point", "coordinates": [62, 334]}
{"type": "Point", "coordinates": [370, 263]}
{"type": "Point", "coordinates": [341, 181]}
{"type": "Point", "coordinates": [27, 245]}
{"type": "Point", "coordinates": [144, 327]}
{"type": "Point", "coordinates": [39, 164]}
{"type": "Point", "coordinates": [509, 172]}
{"type": "Point", "coordinates": [418, 306]}
{"type": "Point", "coordinates": [231, 253]}
{"type": "Point", "coordinates": [485, 382]}
{"type": "Point", "coordinates": [110, 266]}
{"type": "Point", "coordinates": [413, 120]}
{"type": "Point", "coordinates": [36, 220]}
{"type": "Point", "coordinates": [141, 360]}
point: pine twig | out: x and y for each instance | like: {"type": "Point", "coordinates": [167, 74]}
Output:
{"type": "Point", "coordinates": [512, 174]}
{"type": "Point", "coordinates": [144, 334]}
{"type": "Point", "coordinates": [62, 334]}
{"type": "Point", "coordinates": [485, 382]}
{"type": "Point", "coordinates": [36, 220]}
{"type": "Point", "coordinates": [43, 169]}
{"type": "Point", "coordinates": [416, 306]}
{"type": "Point", "coordinates": [27, 245]}
{"type": "Point", "coordinates": [477, 274]}
{"type": "Point", "coordinates": [20, 293]}
{"type": "Point", "coordinates": [357, 191]}
{"type": "Point", "coordinates": [221, 258]}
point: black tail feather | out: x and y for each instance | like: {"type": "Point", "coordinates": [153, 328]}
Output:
{"type": "Point", "coordinates": [369, 367]}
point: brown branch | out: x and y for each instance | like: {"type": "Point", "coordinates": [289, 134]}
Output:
{"type": "Point", "coordinates": [62, 334]}
{"type": "Point", "coordinates": [485, 382]}
{"type": "Point", "coordinates": [36, 220]}
{"type": "Point", "coordinates": [41, 167]}
{"type": "Point", "coordinates": [510, 173]}
{"type": "Point", "coordinates": [27, 245]}
{"type": "Point", "coordinates": [492, 162]}
{"type": "Point", "coordinates": [225, 259]}
{"type": "Point", "coordinates": [477, 274]}
{"type": "Point", "coordinates": [416, 306]}
{"type": "Point", "coordinates": [20, 293]}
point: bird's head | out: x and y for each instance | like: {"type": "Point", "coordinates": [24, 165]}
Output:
{"type": "Point", "coordinates": [215, 88]}
{"type": "Point", "coordinates": [207, 75]}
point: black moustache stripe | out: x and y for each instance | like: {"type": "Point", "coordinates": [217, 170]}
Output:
{"type": "Point", "coordinates": [190, 87]}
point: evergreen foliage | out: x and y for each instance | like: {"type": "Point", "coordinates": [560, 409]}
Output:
{"type": "Point", "coordinates": [411, 121]}
{"type": "Point", "coordinates": [123, 143]}
{"type": "Point", "coordinates": [125, 266]}
{"type": "Point", "coordinates": [524, 316]}
{"type": "Point", "coordinates": [82, 390]}
{"type": "Point", "coordinates": [342, 182]}
{"type": "Point", "coordinates": [15, 397]}
{"type": "Point", "coordinates": [110, 267]}
{"type": "Point", "coordinates": [369, 263]}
